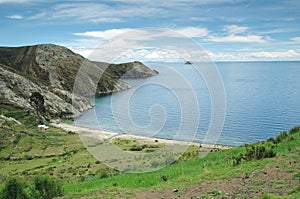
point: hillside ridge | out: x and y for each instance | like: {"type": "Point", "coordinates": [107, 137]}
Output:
{"type": "Point", "coordinates": [52, 70]}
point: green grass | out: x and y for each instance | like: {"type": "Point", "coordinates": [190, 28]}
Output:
{"type": "Point", "coordinates": [137, 145]}
{"type": "Point", "coordinates": [184, 173]}
{"type": "Point", "coordinates": [212, 167]}
{"type": "Point", "coordinates": [26, 152]}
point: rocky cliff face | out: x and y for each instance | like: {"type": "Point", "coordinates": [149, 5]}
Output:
{"type": "Point", "coordinates": [52, 70]}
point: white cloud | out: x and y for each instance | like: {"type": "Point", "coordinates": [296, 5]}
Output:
{"type": "Point", "coordinates": [179, 2]}
{"type": "Point", "coordinates": [157, 54]}
{"type": "Point", "coordinates": [21, 1]}
{"type": "Point", "coordinates": [131, 41]}
{"type": "Point", "coordinates": [276, 55]}
{"type": "Point", "coordinates": [239, 39]}
{"type": "Point", "coordinates": [237, 34]}
{"type": "Point", "coordinates": [277, 30]}
{"type": "Point", "coordinates": [82, 51]}
{"type": "Point", "coordinates": [149, 54]}
{"type": "Point", "coordinates": [144, 34]}
{"type": "Point", "coordinates": [162, 55]}
{"type": "Point", "coordinates": [106, 20]}
{"type": "Point", "coordinates": [296, 39]}
{"type": "Point", "coordinates": [96, 12]}
{"type": "Point", "coordinates": [12, 1]}
{"type": "Point", "coordinates": [193, 31]}
{"type": "Point", "coordinates": [233, 19]}
{"type": "Point", "coordinates": [288, 55]}
{"type": "Point", "coordinates": [15, 17]}
{"type": "Point", "coordinates": [135, 38]}
{"type": "Point", "coordinates": [234, 29]}
{"type": "Point", "coordinates": [202, 19]}
{"type": "Point", "coordinates": [106, 34]}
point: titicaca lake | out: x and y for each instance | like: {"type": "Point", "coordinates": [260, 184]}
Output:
{"type": "Point", "coordinates": [262, 99]}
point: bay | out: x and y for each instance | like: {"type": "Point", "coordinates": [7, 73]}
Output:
{"type": "Point", "coordinates": [262, 99]}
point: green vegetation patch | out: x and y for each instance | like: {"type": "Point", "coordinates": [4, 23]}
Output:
{"type": "Point", "coordinates": [28, 153]}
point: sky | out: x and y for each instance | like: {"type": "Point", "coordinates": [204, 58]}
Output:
{"type": "Point", "coordinates": [227, 30]}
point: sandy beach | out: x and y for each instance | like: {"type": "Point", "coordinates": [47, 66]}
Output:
{"type": "Point", "coordinates": [103, 134]}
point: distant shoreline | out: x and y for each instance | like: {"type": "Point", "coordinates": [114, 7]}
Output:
{"type": "Point", "coordinates": [103, 134]}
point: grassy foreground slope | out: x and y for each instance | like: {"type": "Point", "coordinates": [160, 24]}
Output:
{"type": "Point", "coordinates": [211, 177]}
{"type": "Point", "coordinates": [234, 173]}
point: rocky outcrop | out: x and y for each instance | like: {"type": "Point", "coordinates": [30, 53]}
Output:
{"type": "Point", "coordinates": [15, 90]}
{"type": "Point", "coordinates": [52, 71]}
{"type": "Point", "coordinates": [129, 70]}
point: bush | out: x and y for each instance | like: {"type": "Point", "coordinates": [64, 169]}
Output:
{"type": "Point", "coordinates": [14, 188]}
{"type": "Point", "coordinates": [136, 148]}
{"type": "Point", "coordinates": [255, 153]}
{"type": "Point", "coordinates": [271, 140]}
{"type": "Point", "coordinates": [28, 157]}
{"type": "Point", "coordinates": [281, 137]}
{"type": "Point", "coordinates": [294, 130]}
{"type": "Point", "coordinates": [259, 152]}
{"type": "Point", "coordinates": [103, 174]}
{"type": "Point", "coordinates": [237, 160]}
{"type": "Point", "coordinates": [47, 187]}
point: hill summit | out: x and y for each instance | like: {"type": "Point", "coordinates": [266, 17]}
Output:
{"type": "Point", "coordinates": [51, 70]}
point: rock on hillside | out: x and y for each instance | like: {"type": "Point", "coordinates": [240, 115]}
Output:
{"type": "Point", "coordinates": [52, 70]}
{"type": "Point", "coordinates": [15, 90]}
{"type": "Point", "coordinates": [134, 69]}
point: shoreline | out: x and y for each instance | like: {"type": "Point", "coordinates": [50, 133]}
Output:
{"type": "Point", "coordinates": [104, 134]}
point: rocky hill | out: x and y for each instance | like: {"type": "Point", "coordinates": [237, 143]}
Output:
{"type": "Point", "coordinates": [52, 70]}
{"type": "Point", "coordinates": [130, 70]}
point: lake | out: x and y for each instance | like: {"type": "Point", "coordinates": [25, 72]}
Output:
{"type": "Point", "coordinates": [262, 99]}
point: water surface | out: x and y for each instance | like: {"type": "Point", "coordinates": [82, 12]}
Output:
{"type": "Point", "coordinates": [262, 99]}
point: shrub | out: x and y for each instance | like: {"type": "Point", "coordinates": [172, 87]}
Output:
{"type": "Point", "coordinates": [281, 137]}
{"type": "Point", "coordinates": [47, 187]}
{"type": "Point", "coordinates": [81, 179]}
{"type": "Point", "coordinates": [27, 157]}
{"type": "Point", "coordinates": [270, 153]}
{"type": "Point", "coordinates": [294, 130]}
{"type": "Point", "coordinates": [136, 148]}
{"type": "Point", "coordinates": [14, 188]}
{"type": "Point", "coordinates": [259, 152]}
{"type": "Point", "coordinates": [255, 153]}
{"type": "Point", "coordinates": [103, 174]}
{"type": "Point", "coordinates": [42, 188]}
{"type": "Point", "coordinates": [115, 184]}
{"type": "Point", "coordinates": [270, 196]}
{"type": "Point", "coordinates": [237, 160]}
{"type": "Point", "coordinates": [97, 162]}
{"type": "Point", "coordinates": [271, 140]}
{"type": "Point", "coordinates": [250, 151]}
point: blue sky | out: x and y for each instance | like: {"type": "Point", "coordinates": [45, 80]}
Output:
{"type": "Point", "coordinates": [226, 29]}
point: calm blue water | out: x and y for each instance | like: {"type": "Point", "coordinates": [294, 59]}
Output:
{"type": "Point", "coordinates": [262, 99]}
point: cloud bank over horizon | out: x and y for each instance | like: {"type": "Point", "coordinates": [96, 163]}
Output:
{"type": "Point", "coordinates": [228, 30]}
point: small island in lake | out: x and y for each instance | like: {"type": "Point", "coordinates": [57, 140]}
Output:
{"type": "Point", "coordinates": [188, 62]}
